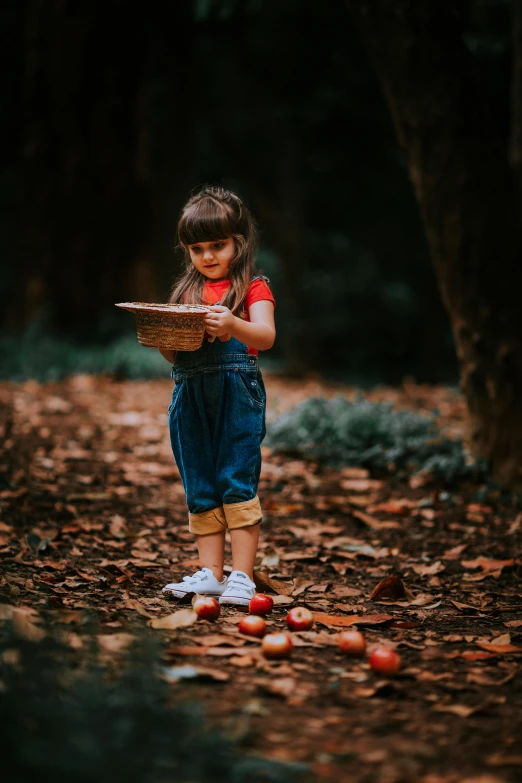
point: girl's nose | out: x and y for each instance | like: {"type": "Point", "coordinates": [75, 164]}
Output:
{"type": "Point", "coordinates": [208, 255]}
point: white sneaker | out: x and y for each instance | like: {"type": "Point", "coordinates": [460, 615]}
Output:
{"type": "Point", "coordinates": [202, 582]}
{"type": "Point", "coordinates": [240, 589]}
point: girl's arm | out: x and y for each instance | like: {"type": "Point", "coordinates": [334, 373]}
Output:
{"type": "Point", "coordinates": [258, 333]}
{"type": "Point", "coordinates": [168, 355]}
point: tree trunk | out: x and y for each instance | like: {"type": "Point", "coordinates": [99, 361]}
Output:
{"type": "Point", "coordinates": [458, 162]}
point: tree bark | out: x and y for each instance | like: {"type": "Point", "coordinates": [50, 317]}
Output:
{"type": "Point", "coordinates": [458, 163]}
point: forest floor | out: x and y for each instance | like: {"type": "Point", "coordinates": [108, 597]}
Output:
{"type": "Point", "coordinates": [93, 521]}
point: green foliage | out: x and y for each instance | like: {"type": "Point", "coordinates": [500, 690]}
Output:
{"type": "Point", "coordinates": [340, 432]}
{"type": "Point", "coordinates": [64, 724]}
{"type": "Point", "coordinates": [47, 358]}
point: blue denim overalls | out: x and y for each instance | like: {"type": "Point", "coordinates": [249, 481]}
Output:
{"type": "Point", "coordinates": [217, 424]}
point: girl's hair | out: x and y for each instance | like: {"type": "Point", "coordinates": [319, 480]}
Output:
{"type": "Point", "coordinates": [211, 214]}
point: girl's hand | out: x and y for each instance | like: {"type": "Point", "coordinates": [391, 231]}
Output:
{"type": "Point", "coordinates": [219, 322]}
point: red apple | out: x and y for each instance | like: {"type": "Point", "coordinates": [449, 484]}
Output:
{"type": "Point", "coordinates": [206, 607]}
{"type": "Point", "coordinates": [260, 604]}
{"type": "Point", "coordinates": [352, 643]}
{"type": "Point", "coordinates": [253, 625]}
{"type": "Point", "coordinates": [385, 661]}
{"type": "Point", "coordinates": [299, 619]}
{"type": "Point", "coordinates": [277, 645]}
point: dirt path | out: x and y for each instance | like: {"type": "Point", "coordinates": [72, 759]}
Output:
{"type": "Point", "coordinates": [93, 520]}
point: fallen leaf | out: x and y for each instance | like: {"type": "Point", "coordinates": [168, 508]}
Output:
{"type": "Point", "coordinates": [176, 673]}
{"type": "Point", "coordinates": [142, 555]}
{"type": "Point", "coordinates": [217, 639]}
{"type": "Point", "coordinates": [132, 603]}
{"type": "Point", "coordinates": [242, 660]}
{"type": "Point", "coordinates": [472, 655]}
{"type": "Point", "coordinates": [115, 642]}
{"type": "Point", "coordinates": [320, 587]}
{"type": "Point", "coordinates": [481, 575]}
{"type": "Point", "coordinates": [391, 587]}
{"type": "Point", "coordinates": [302, 587]}
{"type": "Point", "coordinates": [504, 760]}
{"type": "Point", "coordinates": [429, 570]}
{"type": "Point", "coordinates": [460, 710]}
{"type": "Point", "coordinates": [356, 473]}
{"type": "Point", "coordinates": [478, 508]}
{"type": "Point", "coordinates": [216, 652]}
{"type": "Point", "coordinates": [281, 686]}
{"type": "Point", "coordinates": [381, 688]}
{"type": "Point", "coordinates": [426, 600]}
{"type": "Point", "coordinates": [340, 591]}
{"type": "Point", "coordinates": [406, 624]}
{"type": "Point", "coordinates": [282, 509]}
{"type": "Point", "coordinates": [88, 577]}
{"type": "Point", "coordinates": [394, 506]}
{"type": "Point", "coordinates": [357, 547]}
{"type": "Point", "coordinates": [454, 553]}
{"type": "Point", "coordinates": [117, 527]}
{"type": "Point", "coordinates": [281, 600]}
{"type": "Point", "coordinates": [264, 581]}
{"type": "Point", "coordinates": [139, 563]}
{"type": "Point", "coordinates": [488, 565]}
{"type": "Point", "coordinates": [341, 622]}
{"type": "Point", "coordinates": [504, 638]}
{"type": "Point", "coordinates": [479, 677]}
{"type": "Point", "coordinates": [25, 627]}
{"type": "Point", "coordinates": [464, 606]}
{"type": "Point", "coordinates": [270, 558]}
{"type": "Point", "coordinates": [500, 649]}
{"type": "Point", "coordinates": [321, 638]}
{"type": "Point", "coordinates": [465, 710]}
{"type": "Point", "coordinates": [361, 484]}
{"type": "Point", "coordinates": [179, 619]}
{"type": "Point", "coordinates": [291, 556]}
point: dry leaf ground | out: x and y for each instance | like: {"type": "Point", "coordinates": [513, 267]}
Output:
{"type": "Point", "coordinates": [93, 523]}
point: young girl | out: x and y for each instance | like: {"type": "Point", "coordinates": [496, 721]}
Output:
{"type": "Point", "coordinates": [217, 413]}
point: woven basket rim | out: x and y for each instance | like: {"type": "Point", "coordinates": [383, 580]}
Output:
{"type": "Point", "coordinates": [175, 309]}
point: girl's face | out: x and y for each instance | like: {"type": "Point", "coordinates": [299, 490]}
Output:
{"type": "Point", "coordinates": [213, 259]}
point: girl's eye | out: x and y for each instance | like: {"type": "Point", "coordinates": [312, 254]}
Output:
{"type": "Point", "coordinates": [218, 245]}
{"type": "Point", "coordinates": [195, 249]}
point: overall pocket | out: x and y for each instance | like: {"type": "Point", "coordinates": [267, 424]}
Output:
{"type": "Point", "coordinates": [252, 388]}
{"type": "Point", "coordinates": [175, 397]}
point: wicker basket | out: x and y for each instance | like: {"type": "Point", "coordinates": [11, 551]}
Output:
{"type": "Point", "coordinates": [176, 327]}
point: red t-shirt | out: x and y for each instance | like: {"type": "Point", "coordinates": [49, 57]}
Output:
{"type": "Point", "coordinates": [258, 290]}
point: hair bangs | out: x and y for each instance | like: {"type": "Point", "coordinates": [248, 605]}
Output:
{"type": "Point", "coordinates": [205, 221]}
{"type": "Point", "coordinates": [211, 214]}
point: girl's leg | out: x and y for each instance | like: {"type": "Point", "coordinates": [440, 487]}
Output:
{"type": "Point", "coordinates": [211, 550]}
{"type": "Point", "coordinates": [244, 548]}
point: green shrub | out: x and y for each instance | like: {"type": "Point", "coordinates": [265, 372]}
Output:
{"type": "Point", "coordinates": [47, 358]}
{"type": "Point", "coordinates": [81, 724]}
{"type": "Point", "coordinates": [339, 432]}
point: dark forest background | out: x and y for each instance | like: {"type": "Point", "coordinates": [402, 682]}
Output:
{"type": "Point", "coordinates": [115, 113]}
